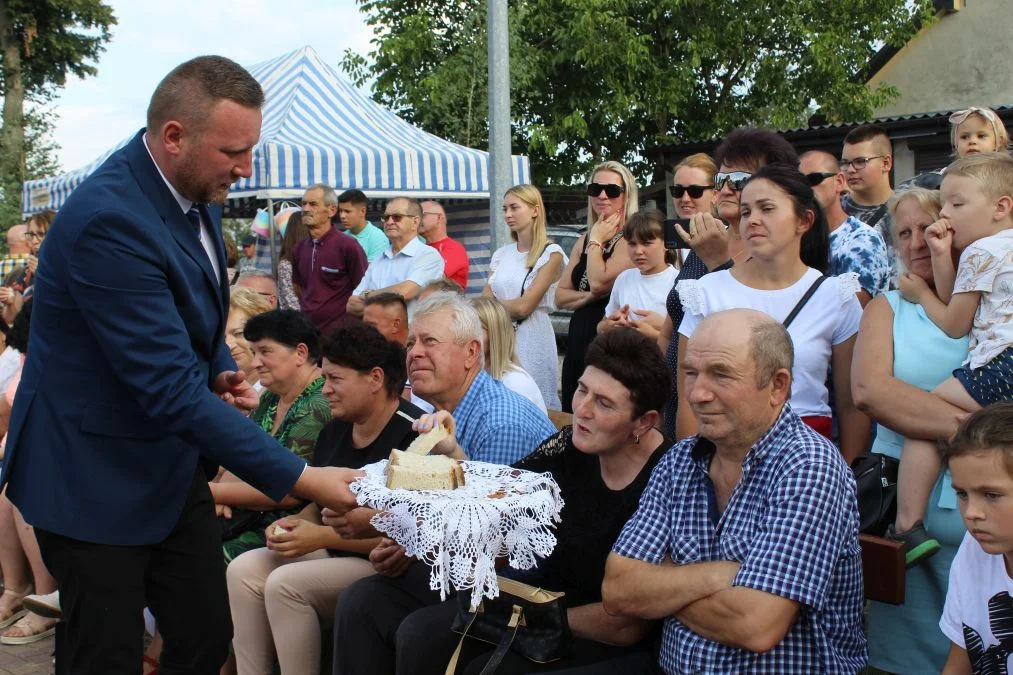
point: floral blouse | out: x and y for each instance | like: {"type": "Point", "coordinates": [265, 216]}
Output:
{"type": "Point", "coordinates": [303, 421]}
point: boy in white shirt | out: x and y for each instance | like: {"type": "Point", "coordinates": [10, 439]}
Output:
{"type": "Point", "coordinates": [978, 616]}
{"type": "Point", "coordinates": [639, 294]}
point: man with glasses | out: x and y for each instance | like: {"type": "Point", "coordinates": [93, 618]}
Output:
{"type": "Point", "coordinates": [261, 283]}
{"type": "Point", "coordinates": [18, 252]}
{"type": "Point", "coordinates": [866, 161]}
{"type": "Point", "coordinates": [854, 247]}
{"type": "Point", "coordinates": [406, 265]}
{"type": "Point", "coordinates": [328, 264]}
{"type": "Point", "coordinates": [434, 230]}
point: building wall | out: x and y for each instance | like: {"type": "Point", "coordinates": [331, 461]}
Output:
{"type": "Point", "coordinates": [962, 59]}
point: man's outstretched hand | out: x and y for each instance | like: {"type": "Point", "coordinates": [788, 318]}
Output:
{"type": "Point", "coordinates": [233, 388]}
{"type": "Point", "coordinates": [328, 486]}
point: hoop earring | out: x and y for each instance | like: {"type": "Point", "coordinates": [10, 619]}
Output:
{"type": "Point", "coordinates": [636, 439]}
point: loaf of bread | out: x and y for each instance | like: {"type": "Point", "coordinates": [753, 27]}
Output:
{"type": "Point", "coordinates": [423, 472]}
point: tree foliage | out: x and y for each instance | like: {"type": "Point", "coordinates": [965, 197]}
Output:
{"type": "Point", "coordinates": [42, 42]}
{"type": "Point", "coordinates": [604, 79]}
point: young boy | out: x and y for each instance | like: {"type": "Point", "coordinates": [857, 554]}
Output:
{"type": "Point", "coordinates": [978, 616]}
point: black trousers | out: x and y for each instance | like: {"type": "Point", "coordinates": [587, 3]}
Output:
{"type": "Point", "coordinates": [104, 588]}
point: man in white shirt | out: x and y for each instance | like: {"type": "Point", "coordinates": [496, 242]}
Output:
{"type": "Point", "coordinates": [406, 266]}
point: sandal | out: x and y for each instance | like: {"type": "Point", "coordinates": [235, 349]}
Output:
{"type": "Point", "coordinates": [17, 609]}
{"type": "Point", "coordinates": [148, 661]}
{"type": "Point", "coordinates": [31, 628]}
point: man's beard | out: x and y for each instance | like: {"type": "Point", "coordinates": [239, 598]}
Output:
{"type": "Point", "coordinates": [195, 188]}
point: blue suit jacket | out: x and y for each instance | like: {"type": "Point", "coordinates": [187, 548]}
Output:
{"type": "Point", "coordinates": [114, 412]}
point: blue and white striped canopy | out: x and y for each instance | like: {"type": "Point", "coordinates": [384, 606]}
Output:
{"type": "Point", "coordinates": [318, 128]}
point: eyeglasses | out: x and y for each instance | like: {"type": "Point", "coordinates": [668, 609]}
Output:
{"type": "Point", "coordinates": [695, 191]}
{"type": "Point", "coordinates": [736, 179]}
{"type": "Point", "coordinates": [817, 177]}
{"type": "Point", "coordinates": [612, 190]}
{"type": "Point", "coordinates": [397, 217]}
{"type": "Point", "coordinates": [32, 236]}
{"type": "Point", "coordinates": [858, 163]}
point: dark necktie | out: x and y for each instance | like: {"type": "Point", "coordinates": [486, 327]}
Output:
{"type": "Point", "coordinates": [193, 215]}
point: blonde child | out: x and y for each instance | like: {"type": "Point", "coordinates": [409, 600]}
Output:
{"type": "Point", "coordinates": [975, 299]}
{"type": "Point", "coordinates": [639, 294]}
{"type": "Point", "coordinates": [977, 130]}
{"type": "Point", "coordinates": [978, 613]}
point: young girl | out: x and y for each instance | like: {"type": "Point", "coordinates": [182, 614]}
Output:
{"type": "Point", "coordinates": [974, 299]}
{"type": "Point", "coordinates": [639, 294]}
{"type": "Point", "coordinates": [977, 130]}
{"type": "Point", "coordinates": [979, 614]}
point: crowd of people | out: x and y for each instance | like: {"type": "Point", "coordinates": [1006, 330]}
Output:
{"type": "Point", "coordinates": [701, 429]}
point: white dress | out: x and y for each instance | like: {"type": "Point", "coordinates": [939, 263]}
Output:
{"type": "Point", "coordinates": [519, 380]}
{"type": "Point", "coordinates": [536, 343]}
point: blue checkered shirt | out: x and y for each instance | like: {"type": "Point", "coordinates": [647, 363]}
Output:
{"type": "Point", "coordinates": [13, 262]}
{"type": "Point", "coordinates": [792, 524]}
{"type": "Point", "coordinates": [497, 425]}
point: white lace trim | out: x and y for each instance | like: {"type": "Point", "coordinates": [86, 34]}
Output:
{"type": "Point", "coordinates": [848, 285]}
{"type": "Point", "coordinates": [500, 512]}
{"type": "Point", "coordinates": [691, 297]}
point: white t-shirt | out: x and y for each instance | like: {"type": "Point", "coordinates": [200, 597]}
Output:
{"type": "Point", "coordinates": [519, 380]}
{"type": "Point", "coordinates": [977, 602]}
{"type": "Point", "coordinates": [641, 291]}
{"type": "Point", "coordinates": [829, 318]}
{"type": "Point", "coordinates": [987, 266]}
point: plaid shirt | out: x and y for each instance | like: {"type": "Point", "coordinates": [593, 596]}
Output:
{"type": "Point", "coordinates": [497, 425]}
{"type": "Point", "coordinates": [12, 262]}
{"type": "Point", "coordinates": [792, 523]}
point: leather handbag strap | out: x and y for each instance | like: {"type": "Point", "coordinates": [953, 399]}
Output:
{"type": "Point", "coordinates": [516, 619]}
{"type": "Point", "coordinates": [804, 299]}
{"type": "Point", "coordinates": [452, 666]}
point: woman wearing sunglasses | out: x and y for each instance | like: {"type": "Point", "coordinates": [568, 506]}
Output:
{"type": "Point", "coordinates": [714, 245]}
{"type": "Point", "coordinates": [596, 260]}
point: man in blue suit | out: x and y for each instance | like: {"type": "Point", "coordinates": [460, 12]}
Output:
{"type": "Point", "coordinates": [127, 401]}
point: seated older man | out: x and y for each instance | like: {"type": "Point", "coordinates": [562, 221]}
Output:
{"type": "Point", "coordinates": [406, 266]}
{"type": "Point", "coordinates": [746, 538]}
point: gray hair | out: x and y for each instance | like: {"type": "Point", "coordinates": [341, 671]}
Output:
{"type": "Point", "coordinates": [330, 196]}
{"type": "Point", "coordinates": [465, 324]}
{"type": "Point", "coordinates": [189, 91]}
{"type": "Point", "coordinates": [771, 348]}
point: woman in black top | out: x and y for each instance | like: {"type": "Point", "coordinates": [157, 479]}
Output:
{"type": "Point", "coordinates": [602, 463]}
{"type": "Point", "coordinates": [281, 595]}
{"type": "Point", "coordinates": [597, 258]}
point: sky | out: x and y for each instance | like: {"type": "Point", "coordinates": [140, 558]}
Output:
{"type": "Point", "coordinates": [151, 38]}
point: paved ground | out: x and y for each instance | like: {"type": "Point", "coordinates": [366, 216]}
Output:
{"type": "Point", "coordinates": [21, 659]}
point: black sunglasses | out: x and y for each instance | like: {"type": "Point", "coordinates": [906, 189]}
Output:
{"type": "Point", "coordinates": [695, 191]}
{"type": "Point", "coordinates": [611, 190]}
{"type": "Point", "coordinates": [737, 179]}
{"type": "Point", "coordinates": [817, 177]}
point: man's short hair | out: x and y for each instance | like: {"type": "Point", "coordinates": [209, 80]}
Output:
{"type": "Point", "coordinates": [992, 170]}
{"type": "Point", "coordinates": [826, 160]}
{"type": "Point", "coordinates": [387, 299]}
{"type": "Point", "coordinates": [289, 327]}
{"type": "Point", "coordinates": [465, 324]}
{"type": "Point", "coordinates": [871, 132]}
{"type": "Point", "coordinates": [189, 91]}
{"type": "Point", "coordinates": [412, 206]}
{"type": "Point", "coordinates": [636, 362]}
{"type": "Point", "coordinates": [442, 285]}
{"type": "Point", "coordinates": [330, 196]}
{"type": "Point", "coordinates": [248, 301]}
{"type": "Point", "coordinates": [361, 347]}
{"type": "Point", "coordinates": [249, 240]}
{"type": "Point", "coordinates": [771, 348]}
{"type": "Point", "coordinates": [257, 274]}
{"type": "Point", "coordinates": [753, 148]}
{"type": "Point", "coordinates": [353, 197]}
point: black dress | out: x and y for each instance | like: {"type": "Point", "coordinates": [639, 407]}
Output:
{"type": "Point", "coordinates": [583, 323]}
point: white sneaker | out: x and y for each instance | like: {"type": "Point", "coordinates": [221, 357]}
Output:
{"type": "Point", "coordinates": [45, 605]}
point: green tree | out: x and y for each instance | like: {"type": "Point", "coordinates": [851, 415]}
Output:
{"type": "Point", "coordinates": [597, 79]}
{"type": "Point", "coordinates": [41, 43]}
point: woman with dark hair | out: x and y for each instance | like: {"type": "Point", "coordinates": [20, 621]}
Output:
{"type": "Point", "coordinates": [715, 245]}
{"type": "Point", "coordinates": [601, 464]}
{"type": "Point", "coordinates": [295, 231]}
{"type": "Point", "coordinates": [787, 241]}
{"type": "Point", "coordinates": [282, 595]}
{"type": "Point", "coordinates": [286, 351]}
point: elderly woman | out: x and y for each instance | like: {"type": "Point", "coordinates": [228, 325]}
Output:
{"type": "Point", "coordinates": [244, 304]}
{"type": "Point", "coordinates": [286, 350]}
{"type": "Point", "coordinates": [597, 258]}
{"type": "Point", "coordinates": [501, 351]}
{"type": "Point", "coordinates": [281, 596]}
{"type": "Point", "coordinates": [900, 357]}
{"type": "Point", "coordinates": [523, 277]}
{"type": "Point", "coordinates": [392, 622]}
{"type": "Point", "coordinates": [715, 245]}
{"type": "Point", "coordinates": [787, 239]}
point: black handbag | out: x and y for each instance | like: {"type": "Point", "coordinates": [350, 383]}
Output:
{"type": "Point", "coordinates": [529, 621]}
{"type": "Point", "coordinates": [876, 484]}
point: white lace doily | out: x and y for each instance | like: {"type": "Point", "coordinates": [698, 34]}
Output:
{"type": "Point", "coordinates": [500, 512]}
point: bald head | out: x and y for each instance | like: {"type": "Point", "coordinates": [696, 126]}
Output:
{"type": "Point", "coordinates": [765, 341]}
{"type": "Point", "coordinates": [828, 190]}
{"type": "Point", "coordinates": [16, 242]}
{"type": "Point", "coordinates": [819, 160]}
{"type": "Point", "coordinates": [434, 221]}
